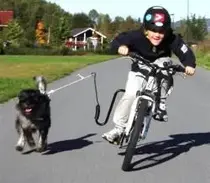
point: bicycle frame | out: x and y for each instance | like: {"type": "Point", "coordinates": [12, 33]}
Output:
{"type": "Point", "coordinates": [143, 108]}
{"type": "Point", "coordinates": [149, 95]}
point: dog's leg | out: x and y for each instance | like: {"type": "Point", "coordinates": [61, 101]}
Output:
{"type": "Point", "coordinates": [21, 141]}
{"type": "Point", "coordinates": [42, 143]}
{"type": "Point", "coordinates": [30, 139]}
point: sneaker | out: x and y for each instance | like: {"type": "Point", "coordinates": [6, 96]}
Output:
{"type": "Point", "coordinates": [113, 136]}
{"type": "Point", "coordinates": [161, 113]}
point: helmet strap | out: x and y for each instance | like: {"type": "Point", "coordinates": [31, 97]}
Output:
{"type": "Point", "coordinates": [145, 32]}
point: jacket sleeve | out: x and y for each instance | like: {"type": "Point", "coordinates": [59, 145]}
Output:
{"type": "Point", "coordinates": [122, 39]}
{"type": "Point", "coordinates": [183, 52]}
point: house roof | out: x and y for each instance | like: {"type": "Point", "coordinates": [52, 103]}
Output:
{"type": "Point", "coordinates": [5, 17]}
{"type": "Point", "coordinates": [76, 32]}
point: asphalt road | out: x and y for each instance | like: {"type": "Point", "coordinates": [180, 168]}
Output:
{"type": "Point", "coordinates": [177, 151]}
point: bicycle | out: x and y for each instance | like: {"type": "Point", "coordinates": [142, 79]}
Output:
{"type": "Point", "coordinates": [143, 107]}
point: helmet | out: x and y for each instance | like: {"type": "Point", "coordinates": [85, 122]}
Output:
{"type": "Point", "coordinates": [157, 19]}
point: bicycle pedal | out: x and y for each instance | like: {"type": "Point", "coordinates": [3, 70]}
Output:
{"type": "Point", "coordinates": [115, 142]}
{"type": "Point", "coordinates": [160, 119]}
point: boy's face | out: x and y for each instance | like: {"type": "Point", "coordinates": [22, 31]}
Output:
{"type": "Point", "coordinates": [155, 37]}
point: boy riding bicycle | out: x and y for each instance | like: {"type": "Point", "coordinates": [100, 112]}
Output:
{"type": "Point", "coordinates": [155, 41]}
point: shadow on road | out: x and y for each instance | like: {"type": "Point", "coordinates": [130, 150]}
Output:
{"type": "Point", "coordinates": [162, 151]}
{"type": "Point", "coordinates": [68, 145]}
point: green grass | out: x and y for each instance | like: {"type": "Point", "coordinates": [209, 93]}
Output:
{"type": "Point", "coordinates": [203, 60]}
{"type": "Point", "coordinates": [16, 72]}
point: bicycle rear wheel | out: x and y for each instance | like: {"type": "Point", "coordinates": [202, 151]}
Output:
{"type": "Point", "coordinates": [137, 128]}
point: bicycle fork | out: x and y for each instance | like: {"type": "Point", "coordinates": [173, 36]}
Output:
{"type": "Point", "coordinates": [147, 118]}
{"type": "Point", "coordinates": [135, 106]}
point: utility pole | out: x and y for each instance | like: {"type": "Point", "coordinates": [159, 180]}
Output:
{"type": "Point", "coordinates": [187, 21]}
{"type": "Point", "coordinates": [173, 23]}
{"type": "Point", "coordinates": [48, 35]}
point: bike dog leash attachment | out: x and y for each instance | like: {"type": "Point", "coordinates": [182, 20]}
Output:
{"type": "Point", "coordinates": [97, 109]}
{"type": "Point", "coordinates": [69, 84]}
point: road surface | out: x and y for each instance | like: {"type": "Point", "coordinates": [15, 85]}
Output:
{"type": "Point", "coordinates": [177, 151]}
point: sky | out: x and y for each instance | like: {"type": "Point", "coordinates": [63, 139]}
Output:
{"type": "Point", "coordinates": [136, 8]}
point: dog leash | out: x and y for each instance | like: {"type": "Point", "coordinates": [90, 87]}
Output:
{"type": "Point", "coordinates": [67, 85]}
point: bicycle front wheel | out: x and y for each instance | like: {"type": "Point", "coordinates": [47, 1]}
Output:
{"type": "Point", "coordinates": [137, 128]}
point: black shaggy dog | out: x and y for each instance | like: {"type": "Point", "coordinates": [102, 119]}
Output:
{"type": "Point", "coordinates": [33, 115]}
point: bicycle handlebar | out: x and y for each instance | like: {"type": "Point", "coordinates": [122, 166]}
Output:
{"type": "Point", "coordinates": [167, 66]}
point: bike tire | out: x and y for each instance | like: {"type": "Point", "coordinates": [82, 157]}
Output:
{"type": "Point", "coordinates": [137, 128]}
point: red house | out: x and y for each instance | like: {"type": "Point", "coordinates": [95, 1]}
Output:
{"type": "Point", "coordinates": [5, 17]}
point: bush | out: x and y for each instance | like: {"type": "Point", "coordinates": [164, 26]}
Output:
{"type": "Point", "coordinates": [48, 50]}
{"type": "Point", "coordinates": [203, 47]}
{"type": "Point", "coordinates": [1, 47]}
{"type": "Point", "coordinates": [30, 51]}
{"type": "Point", "coordinates": [105, 51]}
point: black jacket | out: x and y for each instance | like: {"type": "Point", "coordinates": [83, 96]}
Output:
{"type": "Point", "coordinates": [138, 42]}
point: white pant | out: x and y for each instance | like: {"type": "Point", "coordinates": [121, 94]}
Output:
{"type": "Point", "coordinates": [137, 81]}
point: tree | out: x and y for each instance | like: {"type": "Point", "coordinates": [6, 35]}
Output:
{"type": "Point", "coordinates": [28, 12]}
{"type": "Point", "coordinates": [64, 30]}
{"type": "Point", "coordinates": [93, 15]}
{"type": "Point", "coordinates": [41, 37]}
{"type": "Point", "coordinates": [117, 24]}
{"type": "Point", "coordinates": [198, 28]}
{"type": "Point", "coordinates": [13, 33]}
{"type": "Point", "coordinates": [194, 29]}
{"type": "Point", "coordinates": [104, 25]}
{"type": "Point", "coordinates": [80, 20]}
{"type": "Point", "coordinates": [60, 22]}
{"type": "Point", "coordinates": [130, 24]}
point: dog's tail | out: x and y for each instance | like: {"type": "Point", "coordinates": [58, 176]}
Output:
{"type": "Point", "coordinates": [41, 84]}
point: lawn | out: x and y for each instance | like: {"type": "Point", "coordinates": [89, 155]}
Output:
{"type": "Point", "coordinates": [16, 72]}
{"type": "Point", "coordinates": [203, 60]}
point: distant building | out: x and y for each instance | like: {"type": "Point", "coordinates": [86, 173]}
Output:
{"type": "Point", "coordinates": [5, 17]}
{"type": "Point", "coordinates": [85, 38]}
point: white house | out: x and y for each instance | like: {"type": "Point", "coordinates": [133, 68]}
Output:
{"type": "Point", "coordinates": [85, 37]}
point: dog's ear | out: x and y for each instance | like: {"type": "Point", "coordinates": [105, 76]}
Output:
{"type": "Point", "coordinates": [19, 98]}
{"type": "Point", "coordinates": [41, 84]}
{"type": "Point", "coordinates": [20, 95]}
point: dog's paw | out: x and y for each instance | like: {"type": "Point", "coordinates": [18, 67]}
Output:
{"type": "Point", "coordinates": [19, 148]}
{"type": "Point", "coordinates": [31, 143]}
{"type": "Point", "coordinates": [41, 149]}
{"type": "Point", "coordinates": [21, 143]}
